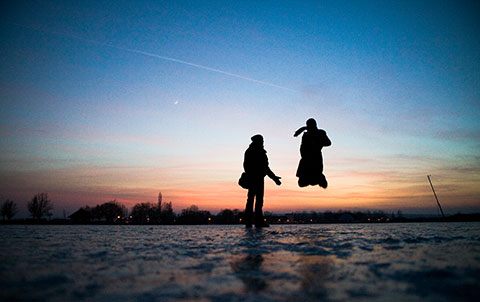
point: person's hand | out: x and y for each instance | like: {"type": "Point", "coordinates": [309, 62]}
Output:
{"type": "Point", "coordinates": [277, 180]}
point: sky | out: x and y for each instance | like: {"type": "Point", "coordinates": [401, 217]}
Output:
{"type": "Point", "coordinates": [105, 100]}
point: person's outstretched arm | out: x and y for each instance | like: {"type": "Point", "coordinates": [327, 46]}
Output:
{"type": "Point", "coordinates": [274, 177]}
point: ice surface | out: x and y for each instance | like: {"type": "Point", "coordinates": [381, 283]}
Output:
{"type": "Point", "coordinates": [342, 262]}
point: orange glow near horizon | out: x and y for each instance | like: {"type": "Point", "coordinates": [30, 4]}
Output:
{"type": "Point", "coordinates": [376, 191]}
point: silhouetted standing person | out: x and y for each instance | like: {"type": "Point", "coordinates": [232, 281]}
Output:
{"type": "Point", "coordinates": [310, 168]}
{"type": "Point", "coordinates": [256, 167]}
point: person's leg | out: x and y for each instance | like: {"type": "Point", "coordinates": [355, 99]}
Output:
{"type": "Point", "coordinates": [249, 207]}
{"type": "Point", "coordinates": [259, 205]}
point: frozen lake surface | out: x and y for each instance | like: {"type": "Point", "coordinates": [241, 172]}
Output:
{"type": "Point", "coordinates": [343, 262]}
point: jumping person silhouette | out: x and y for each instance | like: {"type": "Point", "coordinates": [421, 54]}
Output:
{"type": "Point", "coordinates": [256, 167]}
{"type": "Point", "coordinates": [310, 167]}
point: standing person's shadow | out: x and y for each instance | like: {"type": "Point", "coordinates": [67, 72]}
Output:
{"type": "Point", "coordinates": [248, 268]}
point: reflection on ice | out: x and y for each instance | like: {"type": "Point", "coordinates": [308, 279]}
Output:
{"type": "Point", "coordinates": [399, 262]}
{"type": "Point", "coordinates": [248, 269]}
{"type": "Point", "coordinates": [316, 271]}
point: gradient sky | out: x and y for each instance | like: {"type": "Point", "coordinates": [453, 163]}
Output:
{"type": "Point", "coordinates": [123, 99]}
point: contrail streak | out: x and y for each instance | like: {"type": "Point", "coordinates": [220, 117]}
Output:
{"type": "Point", "coordinates": [165, 58]}
{"type": "Point", "coordinates": [204, 67]}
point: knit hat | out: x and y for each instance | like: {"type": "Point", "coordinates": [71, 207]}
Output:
{"type": "Point", "coordinates": [257, 138]}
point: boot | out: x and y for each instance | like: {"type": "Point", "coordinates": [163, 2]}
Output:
{"type": "Point", "coordinates": [323, 182]}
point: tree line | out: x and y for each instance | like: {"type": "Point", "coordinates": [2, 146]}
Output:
{"type": "Point", "coordinates": [113, 212]}
{"type": "Point", "coordinates": [41, 207]}
{"type": "Point", "coordinates": [149, 213]}
{"type": "Point", "coordinates": [110, 212]}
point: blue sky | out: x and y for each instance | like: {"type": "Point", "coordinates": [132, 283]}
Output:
{"type": "Point", "coordinates": [88, 118]}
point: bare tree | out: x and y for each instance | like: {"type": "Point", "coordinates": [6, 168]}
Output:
{"type": "Point", "coordinates": [40, 206]}
{"type": "Point", "coordinates": [8, 209]}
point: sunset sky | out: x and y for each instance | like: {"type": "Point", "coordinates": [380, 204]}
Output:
{"type": "Point", "coordinates": [105, 100]}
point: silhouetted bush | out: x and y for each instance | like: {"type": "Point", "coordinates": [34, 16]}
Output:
{"type": "Point", "coordinates": [193, 215]}
{"type": "Point", "coordinates": [145, 212]}
{"type": "Point", "coordinates": [228, 216]}
{"type": "Point", "coordinates": [109, 211]}
{"type": "Point", "coordinates": [225, 217]}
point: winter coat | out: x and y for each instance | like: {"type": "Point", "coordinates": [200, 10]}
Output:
{"type": "Point", "coordinates": [256, 162]}
{"type": "Point", "coordinates": [311, 163]}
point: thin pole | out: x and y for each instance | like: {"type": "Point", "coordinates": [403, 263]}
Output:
{"type": "Point", "coordinates": [435, 194]}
